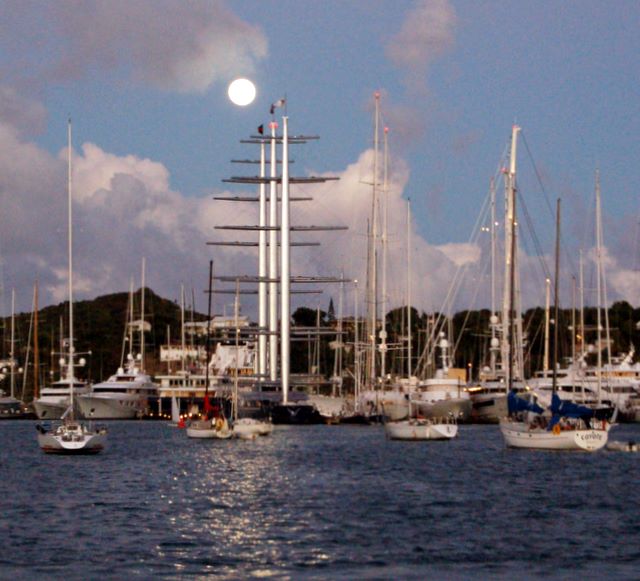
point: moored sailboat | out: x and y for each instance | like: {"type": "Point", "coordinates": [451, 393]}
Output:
{"type": "Point", "coordinates": [71, 436]}
{"type": "Point", "coordinates": [563, 426]}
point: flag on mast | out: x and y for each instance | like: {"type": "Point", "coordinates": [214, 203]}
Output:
{"type": "Point", "coordinates": [278, 103]}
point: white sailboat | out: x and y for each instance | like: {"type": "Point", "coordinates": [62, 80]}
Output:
{"type": "Point", "coordinates": [208, 426]}
{"type": "Point", "coordinates": [421, 428]}
{"type": "Point", "coordinates": [563, 426]}
{"type": "Point", "coordinates": [71, 436]}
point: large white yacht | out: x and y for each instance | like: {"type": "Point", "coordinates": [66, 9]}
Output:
{"type": "Point", "coordinates": [56, 398]}
{"type": "Point", "coordinates": [125, 395]}
{"type": "Point", "coordinates": [444, 395]}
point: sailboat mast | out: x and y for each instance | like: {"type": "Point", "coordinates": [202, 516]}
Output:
{"type": "Point", "coordinates": [71, 362]}
{"type": "Point", "coordinates": [385, 245]}
{"type": "Point", "coordinates": [373, 294]}
{"type": "Point", "coordinates": [285, 266]}
{"type": "Point", "coordinates": [556, 309]}
{"type": "Point", "coordinates": [36, 351]}
{"type": "Point", "coordinates": [547, 307]}
{"type": "Point", "coordinates": [142, 315]}
{"type": "Point", "coordinates": [508, 314]}
{"type": "Point", "coordinates": [12, 353]}
{"type": "Point", "coordinates": [599, 283]}
{"type": "Point", "coordinates": [409, 327]}
{"type": "Point", "coordinates": [493, 322]}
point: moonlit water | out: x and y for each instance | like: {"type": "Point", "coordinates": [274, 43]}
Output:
{"type": "Point", "coordinates": [315, 502]}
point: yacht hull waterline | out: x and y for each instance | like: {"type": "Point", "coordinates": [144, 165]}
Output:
{"type": "Point", "coordinates": [71, 439]}
{"type": "Point", "coordinates": [420, 430]}
{"type": "Point", "coordinates": [521, 435]}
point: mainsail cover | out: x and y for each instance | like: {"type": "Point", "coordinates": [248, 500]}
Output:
{"type": "Point", "coordinates": [517, 404]}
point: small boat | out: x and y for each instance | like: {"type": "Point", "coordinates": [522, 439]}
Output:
{"type": "Point", "coordinates": [215, 428]}
{"type": "Point", "coordinates": [629, 446]}
{"type": "Point", "coordinates": [71, 437]}
{"type": "Point", "coordinates": [422, 429]}
{"type": "Point", "coordinates": [251, 428]}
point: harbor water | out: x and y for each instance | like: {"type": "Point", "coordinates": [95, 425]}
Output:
{"type": "Point", "coordinates": [338, 502]}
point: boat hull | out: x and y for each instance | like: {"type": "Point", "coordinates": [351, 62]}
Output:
{"type": "Point", "coordinates": [250, 429]}
{"type": "Point", "coordinates": [458, 408]}
{"type": "Point", "coordinates": [50, 410]}
{"type": "Point", "coordinates": [488, 409]}
{"type": "Point", "coordinates": [420, 430]}
{"type": "Point", "coordinates": [209, 429]}
{"type": "Point", "coordinates": [119, 407]}
{"type": "Point", "coordinates": [88, 443]}
{"type": "Point", "coordinates": [520, 435]}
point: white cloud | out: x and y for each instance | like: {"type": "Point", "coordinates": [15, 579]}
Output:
{"type": "Point", "coordinates": [461, 253]}
{"type": "Point", "coordinates": [171, 45]}
{"type": "Point", "coordinates": [426, 33]}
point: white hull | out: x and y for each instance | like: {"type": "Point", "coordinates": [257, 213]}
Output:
{"type": "Point", "coordinates": [420, 430]}
{"type": "Point", "coordinates": [488, 409]}
{"type": "Point", "coordinates": [209, 429]}
{"type": "Point", "coordinates": [72, 440]}
{"type": "Point", "coordinates": [391, 403]}
{"type": "Point", "coordinates": [521, 435]}
{"type": "Point", "coordinates": [250, 429]}
{"type": "Point", "coordinates": [458, 408]}
{"type": "Point", "coordinates": [50, 410]}
{"type": "Point", "coordinates": [111, 407]}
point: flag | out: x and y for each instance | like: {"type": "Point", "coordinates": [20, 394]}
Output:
{"type": "Point", "coordinates": [207, 404]}
{"type": "Point", "coordinates": [261, 129]}
{"type": "Point", "coordinates": [278, 103]}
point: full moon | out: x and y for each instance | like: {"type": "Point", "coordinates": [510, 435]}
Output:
{"type": "Point", "coordinates": [242, 92]}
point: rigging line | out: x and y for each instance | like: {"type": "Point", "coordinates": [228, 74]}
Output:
{"type": "Point", "coordinates": [532, 234]}
{"type": "Point", "coordinates": [453, 289]}
{"type": "Point", "coordinates": [474, 298]}
{"type": "Point", "coordinates": [539, 178]}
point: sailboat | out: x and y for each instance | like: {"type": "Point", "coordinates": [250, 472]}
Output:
{"type": "Point", "coordinates": [71, 436]}
{"type": "Point", "coordinates": [209, 425]}
{"type": "Point", "coordinates": [568, 426]}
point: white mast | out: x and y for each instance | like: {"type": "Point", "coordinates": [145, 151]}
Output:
{"type": "Point", "coordinates": [508, 311]}
{"type": "Point", "coordinates": [71, 362]}
{"type": "Point", "coordinates": [582, 353]}
{"type": "Point", "coordinates": [262, 269]}
{"type": "Point", "coordinates": [182, 337]}
{"type": "Point", "coordinates": [373, 274]}
{"type": "Point", "coordinates": [385, 244]}
{"type": "Point", "coordinates": [356, 348]}
{"type": "Point", "coordinates": [13, 342]}
{"type": "Point", "coordinates": [599, 282]}
{"type": "Point", "coordinates": [547, 306]}
{"type": "Point", "coordinates": [273, 259]}
{"type": "Point", "coordinates": [409, 338]}
{"type": "Point", "coordinates": [142, 316]}
{"type": "Point", "coordinates": [494, 346]}
{"type": "Point", "coordinates": [285, 264]}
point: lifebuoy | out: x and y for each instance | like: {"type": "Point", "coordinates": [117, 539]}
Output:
{"type": "Point", "coordinates": [556, 429]}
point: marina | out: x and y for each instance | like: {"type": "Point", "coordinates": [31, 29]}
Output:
{"type": "Point", "coordinates": [319, 290]}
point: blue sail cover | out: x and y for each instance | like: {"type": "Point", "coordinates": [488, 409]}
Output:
{"type": "Point", "coordinates": [517, 404]}
{"type": "Point", "coordinates": [569, 409]}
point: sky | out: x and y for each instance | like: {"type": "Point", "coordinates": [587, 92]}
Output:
{"type": "Point", "coordinates": [145, 84]}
